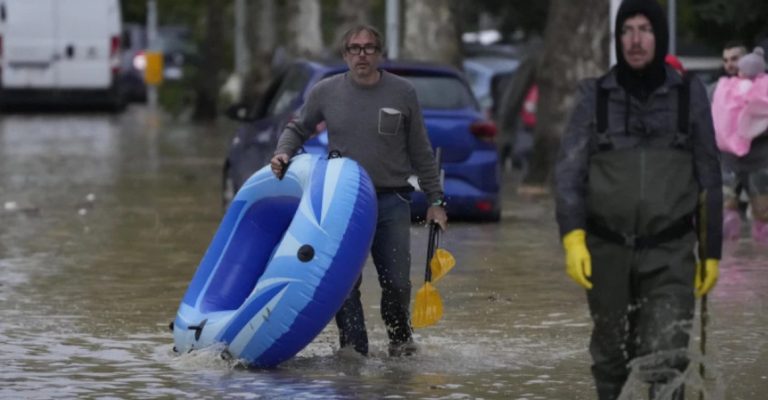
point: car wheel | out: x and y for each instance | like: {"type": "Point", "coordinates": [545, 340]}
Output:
{"type": "Point", "coordinates": [228, 190]}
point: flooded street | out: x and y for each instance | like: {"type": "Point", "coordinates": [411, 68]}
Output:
{"type": "Point", "coordinates": [105, 218]}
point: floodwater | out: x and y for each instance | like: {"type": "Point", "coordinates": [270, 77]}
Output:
{"type": "Point", "coordinates": [105, 218]}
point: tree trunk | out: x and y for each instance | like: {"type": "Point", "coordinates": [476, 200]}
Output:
{"type": "Point", "coordinates": [349, 13]}
{"type": "Point", "coordinates": [261, 34]}
{"type": "Point", "coordinates": [431, 33]}
{"type": "Point", "coordinates": [576, 43]}
{"type": "Point", "coordinates": [304, 37]}
{"type": "Point", "coordinates": [206, 100]}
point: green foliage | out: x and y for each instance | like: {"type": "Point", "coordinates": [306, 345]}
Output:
{"type": "Point", "coordinates": [330, 18]}
{"type": "Point", "coordinates": [134, 10]}
{"type": "Point", "coordinates": [719, 21]}
{"type": "Point", "coordinates": [170, 11]}
{"type": "Point", "coordinates": [530, 17]}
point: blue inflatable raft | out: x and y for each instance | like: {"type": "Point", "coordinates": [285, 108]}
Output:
{"type": "Point", "coordinates": [285, 257]}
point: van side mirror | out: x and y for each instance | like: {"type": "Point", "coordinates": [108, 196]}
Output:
{"type": "Point", "coordinates": [239, 112]}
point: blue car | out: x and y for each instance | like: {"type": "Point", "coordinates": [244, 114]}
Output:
{"type": "Point", "coordinates": [469, 157]}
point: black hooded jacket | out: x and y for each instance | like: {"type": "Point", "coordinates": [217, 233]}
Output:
{"type": "Point", "coordinates": [639, 105]}
{"type": "Point", "coordinates": [641, 83]}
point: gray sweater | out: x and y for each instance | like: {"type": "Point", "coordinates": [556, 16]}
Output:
{"type": "Point", "coordinates": [379, 126]}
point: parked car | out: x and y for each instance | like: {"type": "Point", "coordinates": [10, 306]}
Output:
{"type": "Point", "coordinates": [522, 151]}
{"type": "Point", "coordinates": [176, 44]}
{"type": "Point", "coordinates": [486, 73]}
{"type": "Point", "coordinates": [452, 117]}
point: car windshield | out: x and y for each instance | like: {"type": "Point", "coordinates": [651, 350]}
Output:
{"type": "Point", "coordinates": [441, 92]}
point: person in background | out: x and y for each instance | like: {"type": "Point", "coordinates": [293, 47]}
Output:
{"type": "Point", "coordinates": [517, 140]}
{"type": "Point", "coordinates": [732, 52]}
{"type": "Point", "coordinates": [637, 166]}
{"type": "Point", "coordinates": [739, 111]}
{"type": "Point", "coordinates": [373, 117]}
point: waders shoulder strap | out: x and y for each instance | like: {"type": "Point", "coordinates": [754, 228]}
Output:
{"type": "Point", "coordinates": [683, 118]}
{"type": "Point", "coordinates": [604, 142]}
{"type": "Point", "coordinates": [682, 138]}
{"type": "Point", "coordinates": [683, 105]}
{"type": "Point", "coordinates": [601, 106]}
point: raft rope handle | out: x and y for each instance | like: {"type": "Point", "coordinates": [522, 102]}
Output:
{"type": "Point", "coordinates": [198, 328]}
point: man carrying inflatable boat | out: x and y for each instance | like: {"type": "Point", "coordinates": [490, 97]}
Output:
{"type": "Point", "coordinates": [374, 118]}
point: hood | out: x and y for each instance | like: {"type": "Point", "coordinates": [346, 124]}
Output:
{"type": "Point", "coordinates": [640, 83]}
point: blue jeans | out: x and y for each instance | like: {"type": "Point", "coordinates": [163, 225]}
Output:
{"type": "Point", "coordinates": [391, 252]}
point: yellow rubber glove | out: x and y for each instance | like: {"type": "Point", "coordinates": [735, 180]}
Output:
{"type": "Point", "coordinates": [578, 262]}
{"type": "Point", "coordinates": [711, 271]}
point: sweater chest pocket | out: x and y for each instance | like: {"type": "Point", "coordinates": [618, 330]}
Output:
{"type": "Point", "coordinates": [390, 121]}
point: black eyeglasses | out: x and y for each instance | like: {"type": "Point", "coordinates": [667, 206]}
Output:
{"type": "Point", "coordinates": [368, 49]}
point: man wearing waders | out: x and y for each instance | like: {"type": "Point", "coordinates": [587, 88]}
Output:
{"type": "Point", "coordinates": [638, 172]}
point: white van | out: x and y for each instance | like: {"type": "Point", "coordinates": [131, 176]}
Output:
{"type": "Point", "coordinates": [60, 51]}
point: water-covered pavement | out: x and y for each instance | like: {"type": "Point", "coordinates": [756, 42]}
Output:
{"type": "Point", "coordinates": [104, 219]}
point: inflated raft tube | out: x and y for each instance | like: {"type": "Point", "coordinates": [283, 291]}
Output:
{"type": "Point", "coordinates": [282, 262]}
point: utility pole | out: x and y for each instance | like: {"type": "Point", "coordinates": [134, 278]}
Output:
{"type": "Point", "coordinates": [393, 29]}
{"type": "Point", "coordinates": [614, 9]}
{"type": "Point", "coordinates": [153, 72]}
{"type": "Point", "coordinates": [672, 17]}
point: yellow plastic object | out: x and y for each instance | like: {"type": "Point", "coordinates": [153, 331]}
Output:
{"type": "Point", "coordinates": [711, 272]}
{"type": "Point", "coordinates": [427, 308]}
{"type": "Point", "coordinates": [441, 263]}
{"type": "Point", "coordinates": [578, 262]}
{"type": "Point", "coordinates": [153, 73]}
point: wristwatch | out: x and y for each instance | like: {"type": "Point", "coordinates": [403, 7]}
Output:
{"type": "Point", "coordinates": [439, 203]}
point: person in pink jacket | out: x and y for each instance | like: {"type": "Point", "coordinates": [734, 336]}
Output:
{"type": "Point", "coordinates": [740, 118]}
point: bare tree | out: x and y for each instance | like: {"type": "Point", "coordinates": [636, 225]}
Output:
{"type": "Point", "coordinates": [350, 13]}
{"type": "Point", "coordinates": [208, 79]}
{"type": "Point", "coordinates": [304, 37]}
{"type": "Point", "coordinates": [262, 40]}
{"type": "Point", "coordinates": [430, 31]}
{"type": "Point", "coordinates": [576, 43]}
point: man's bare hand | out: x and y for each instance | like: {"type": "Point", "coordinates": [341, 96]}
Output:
{"type": "Point", "coordinates": [437, 214]}
{"type": "Point", "coordinates": [279, 163]}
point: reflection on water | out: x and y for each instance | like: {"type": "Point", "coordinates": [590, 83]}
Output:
{"type": "Point", "coordinates": [111, 214]}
